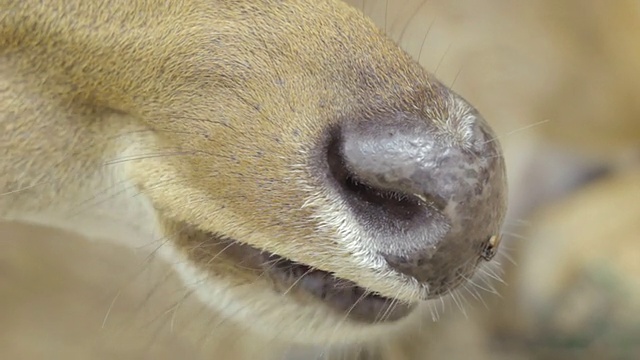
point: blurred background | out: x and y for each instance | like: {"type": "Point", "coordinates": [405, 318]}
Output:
{"type": "Point", "coordinates": [560, 83]}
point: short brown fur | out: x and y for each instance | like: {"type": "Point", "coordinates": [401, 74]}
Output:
{"type": "Point", "coordinates": [185, 103]}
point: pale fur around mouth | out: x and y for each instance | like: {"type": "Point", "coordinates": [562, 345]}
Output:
{"type": "Point", "coordinates": [343, 296]}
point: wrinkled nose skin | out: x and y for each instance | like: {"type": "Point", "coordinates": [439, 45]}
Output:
{"type": "Point", "coordinates": [429, 192]}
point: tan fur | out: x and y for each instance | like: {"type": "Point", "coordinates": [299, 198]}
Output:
{"type": "Point", "coordinates": [173, 126]}
{"type": "Point", "coordinates": [572, 64]}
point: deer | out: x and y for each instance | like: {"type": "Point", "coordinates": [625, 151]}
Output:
{"type": "Point", "coordinates": [292, 163]}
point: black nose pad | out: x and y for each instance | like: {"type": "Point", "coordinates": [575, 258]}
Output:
{"type": "Point", "coordinates": [426, 194]}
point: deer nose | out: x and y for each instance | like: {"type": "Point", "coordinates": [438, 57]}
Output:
{"type": "Point", "coordinates": [429, 195]}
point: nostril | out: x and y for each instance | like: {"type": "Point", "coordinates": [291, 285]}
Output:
{"type": "Point", "coordinates": [361, 193]}
{"type": "Point", "coordinates": [424, 192]}
{"type": "Point", "coordinates": [392, 212]}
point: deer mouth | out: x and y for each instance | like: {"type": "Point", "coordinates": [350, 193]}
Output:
{"type": "Point", "coordinates": [344, 297]}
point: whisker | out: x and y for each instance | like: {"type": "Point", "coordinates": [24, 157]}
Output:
{"type": "Point", "coordinates": [386, 15]}
{"type": "Point", "coordinates": [75, 153]}
{"type": "Point", "coordinates": [410, 20]}
{"type": "Point", "coordinates": [491, 274]}
{"type": "Point", "coordinates": [435, 72]}
{"type": "Point", "coordinates": [442, 302]}
{"type": "Point", "coordinates": [347, 313]}
{"type": "Point", "coordinates": [97, 199]}
{"type": "Point", "coordinates": [508, 257]}
{"type": "Point", "coordinates": [143, 266]}
{"type": "Point", "coordinates": [476, 295]}
{"type": "Point", "coordinates": [453, 295]}
{"type": "Point", "coordinates": [213, 258]}
{"type": "Point", "coordinates": [146, 156]}
{"type": "Point", "coordinates": [175, 309]}
{"type": "Point", "coordinates": [424, 40]}
{"type": "Point", "coordinates": [390, 309]}
{"type": "Point", "coordinates": [161, 320]}
{"type": "Point", "coordinates": [25, 188]}
{"type": "Point", "coordinates": [490, 289]}
{"type": "Point", "coordinates": [455, 78]}
{"type": "Point", "coordinates": [434, 314]}
{"type": "Point", "coordinates": [518, 222]}
{"type": "Point", "coordinates": [297, 281]}
{"type": "Point", "coordinates": [106, 316]}
{"type": "Point", "coordinates": [206, 337]}
{"type": "Point", "coordinates": [514, 235]}
{"type": "Point", "coordinates": [526, 127]}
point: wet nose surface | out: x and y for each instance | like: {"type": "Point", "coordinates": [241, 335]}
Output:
{"type": "Point", "coordinates": [429, 193]}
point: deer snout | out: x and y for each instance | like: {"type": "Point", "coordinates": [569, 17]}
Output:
{"type": "Point", "coordinates": [429, 194]}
